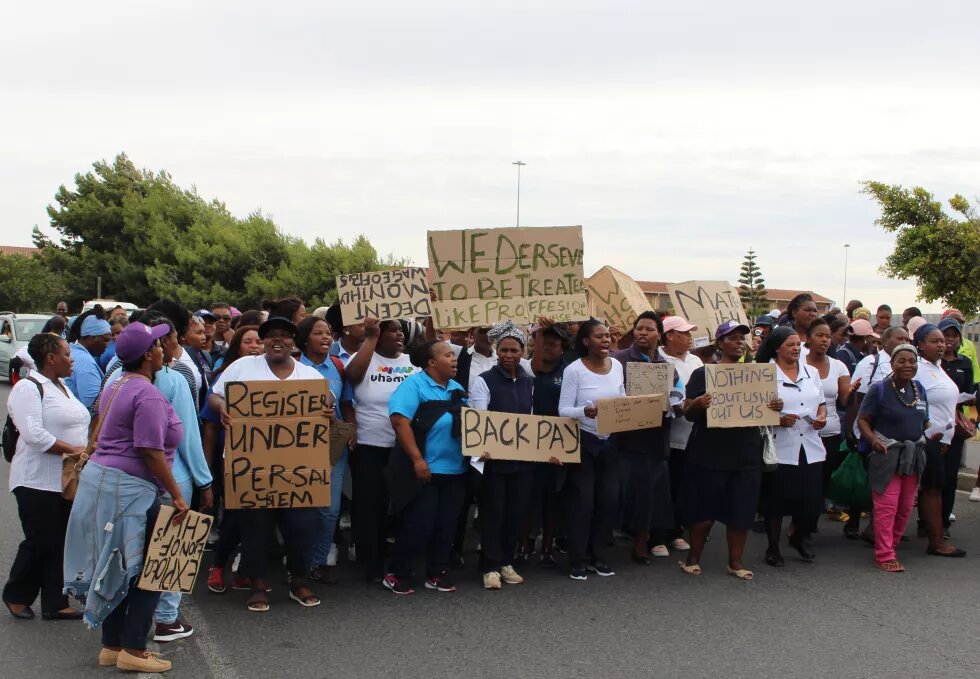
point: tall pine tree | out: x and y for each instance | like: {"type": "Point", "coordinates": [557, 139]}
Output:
{"type": "Point", "coordinates": [752, 287]}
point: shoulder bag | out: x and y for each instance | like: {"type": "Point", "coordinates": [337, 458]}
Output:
{"type": "Point", "coordinates": [73, 463]}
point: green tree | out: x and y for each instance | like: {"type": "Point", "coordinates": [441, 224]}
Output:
{"type": "Point", "coordinates": [27, 285]}
{"type": "Point", "coordinates": [148, 238]}
{"type": "Point", "coordinates": [941, 252]}
{"type": "Point", "coordinates": [752, 287]}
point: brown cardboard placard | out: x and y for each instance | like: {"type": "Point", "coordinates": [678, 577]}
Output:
{"type": "Point", "coordinates": [173, 557]}
{"type": "Point", "coordinates": [512, 436]}
{"type": "Point", "coordinates": [649, 378]}
{"type": "Point", "coordinates": [277, 450]}
{"type": "Point", "coordinates": [707, 304]}
{"type": "Point", "coordinates": [740, 394]}
{"type": "Point", "coordinates": [616, 298]}
{"type": "Point", "coordinates": [482, 276]}
{"type": "Point", "coordinates": [629, 413]}
{"type": "Point", "coordinates": [395, 294]}
{"type": "Point", "coordinates": [340, 434]}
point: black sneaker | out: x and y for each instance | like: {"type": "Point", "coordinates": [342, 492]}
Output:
{"type": "Point", "coordinates": [440, 583]}
{"type": "Point", "coordinates": [178, 629]}
{"type": "Point", "coordinates": [325, 575]}
{"type": "Point", "coordinates": [600, 568]}
{"type": "Point", "coordinates": [578, 574]}
{"type": "Point", "coordinates": [395, 585]}
{"type": "Point", "coordinates": [547, 560]}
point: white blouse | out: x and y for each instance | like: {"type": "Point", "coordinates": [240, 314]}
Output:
{"type": "Point", "coordinates": [801, 397]}
{"type": "Point", "coordinates": [830, 387]}
{"type": "Point", "coordinates": [941, 393]}
{"type": "Point", "coordinates": [581, 387]}
{"type": "Point", "coordinates": [42, 422]}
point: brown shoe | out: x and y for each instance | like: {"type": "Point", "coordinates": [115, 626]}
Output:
{"type": "Point", "coordinates": [133, 663]}
{"type": "Point", "coordinates": [108, 657]}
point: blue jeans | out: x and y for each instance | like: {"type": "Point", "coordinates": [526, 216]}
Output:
{"type": "Point", "coordinates": [169, 605]}
{"type": "Point", "coordinates": [326, 517]}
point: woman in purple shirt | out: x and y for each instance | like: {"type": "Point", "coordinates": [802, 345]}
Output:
{"type": "Point", "coordinates": [137, 436]}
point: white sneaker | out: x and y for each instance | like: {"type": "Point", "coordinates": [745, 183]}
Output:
{"type": "Point", "coordinates": [491, 580]}
{"type": "Point", "coordinates": [659, 551]}
{"type": "Point", "coordinates": [680, 544]}
{"type": "Point", "coordinates": [975, 494]}
{"type": "Point", "coordinates": [345, 521]}
{"type": "Point", "coordinates": [332, 556]}
{"type": "Point", "coordinates": [510, 576]}
{"type": "Point", "coordinates": [952, 517]}
{"type": "Point", "coordinates": [234, 564]}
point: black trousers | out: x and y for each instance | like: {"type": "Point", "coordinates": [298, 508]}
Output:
{"type": "Point", "coordinates": [130, 621]}
{"type": "Point", "coordinates": [230, 536]}
{"type": "Point", "coordinates": [834, 459]}
{"type": "Point", "coordinates": [591, 495]}
{"type": "Point", "coordinates": [37, 565]}
{"type": "Point", "coordinates": [951, 470]}
{"type": "Point", "coordinates": [675, 464]}
{"type": "Point", "coordinates": [472, 480]}
{"type": "Point", "coordinates": [504, 496]}
{"type": "Point", "coordinates": [429, 522]}
{"type": "Point", "coordinates": [296, 525]}
{"type": "Point", "coordinates": [369, 506]}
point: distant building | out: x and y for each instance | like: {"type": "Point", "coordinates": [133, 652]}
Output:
{"type": "Point", "coordinates": [18, 250]}
{"type": "Point", "coordinates": [778, 298]}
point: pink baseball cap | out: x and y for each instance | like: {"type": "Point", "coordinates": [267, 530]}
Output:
{"type": "Point", "coordinates": [862, 328]}
{"type": "Point", "coordinates": [678, 323]}
{"type": "Point", "coordinates": [914, 324]}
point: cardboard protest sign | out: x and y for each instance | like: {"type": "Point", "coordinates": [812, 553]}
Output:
{"type": "Point", "coordinates": [482, 276]}
{"type": "Point", "coordinates": [628, 413]}
{"type": "Point", "coordinates": [740, 394]}
{"type": "Point", "coordinates": [649, 378]}
{"type": "Point", "coordinates": [707, 304]}
{"type": "Point", "coordinates": [173, 557]}
{"type": "Point", "coordinates": [386, 295]}
{"type": "Point", "coordinates": [277, 451]}
{"type": "Point", "coordinates": [616, 298]}
{"type": "Point", "coordinates": [340, 434]}
{"type": "Point", "coordinates": [510, 436]}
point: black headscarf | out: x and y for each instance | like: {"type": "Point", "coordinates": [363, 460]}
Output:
{"type": "Point", "coordinates": [768, 350]}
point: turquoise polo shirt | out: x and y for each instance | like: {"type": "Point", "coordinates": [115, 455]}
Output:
{"type": "Point", "coordinates": [443, 451]}
{"type": "Point", "coordinates": [332, 375]}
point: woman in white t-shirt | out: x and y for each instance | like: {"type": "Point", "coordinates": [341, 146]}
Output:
{"type": "Point", "coordinates": [837, 389]}
{"type": "Point", "coordinates": [941, 394]}
{"type": "Point", "coordinates": [376, 370]}
{"type": "Point", "coordinates": [296, 524]}
{"type": "Point", "coordinates": [592, 487]}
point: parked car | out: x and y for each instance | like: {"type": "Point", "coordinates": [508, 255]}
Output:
{"type": "Point", "coordinates": [16, 330]}
{"type": "Point", "coordinates": [108, 305]}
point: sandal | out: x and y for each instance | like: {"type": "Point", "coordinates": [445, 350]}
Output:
{"type": "Point", "coordinates": [741, 573]}
{"type": "Point", "coordinates": [258, 601]}
{"type": "Point", "coordinates": [891, 567]}
{"type": "Point", "coordinates": [693, 569]}
{"type": "Point", "coordinates": [304, 596]}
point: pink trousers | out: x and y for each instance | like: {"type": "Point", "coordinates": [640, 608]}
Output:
{"type": "Point", "coordinates": [892, 510]}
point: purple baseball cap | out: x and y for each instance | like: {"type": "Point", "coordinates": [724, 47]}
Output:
{"type": "Point", "coordinates": [137, 339]}
{"type": "Point", "coordinates": [729, 327]}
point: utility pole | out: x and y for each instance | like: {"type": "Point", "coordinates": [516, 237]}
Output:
{"type": "Point", "coordinates": [847, 247]}
{"type": "Point", "coordinates": [519, 164]}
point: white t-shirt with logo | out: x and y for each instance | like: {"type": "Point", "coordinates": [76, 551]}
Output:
{"type": "Point", "coordinates": [380, 381]}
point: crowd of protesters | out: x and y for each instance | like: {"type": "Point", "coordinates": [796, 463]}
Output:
{"type": "Point", "coordinates": [139, 399]}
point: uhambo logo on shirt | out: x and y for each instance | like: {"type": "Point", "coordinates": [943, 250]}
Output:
{"type": "Point", "coordinates": [387, 373]}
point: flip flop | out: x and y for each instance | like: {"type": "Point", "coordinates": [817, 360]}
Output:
{"type": "Point", "coordinates": [258, 602]}
{"type": "Point", "coordinates": [694, 569]}
{"type": "Point", "coordinates": [891, 567]}
{"type": "Point", "coordinates": [740, 573]}
{"type": "Point", "coordinates": [309, 601]}
{"type": "Point", "coordinates": [955, 554]}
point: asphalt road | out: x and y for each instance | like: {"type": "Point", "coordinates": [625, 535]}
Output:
{"type": "Point", "coordinates": [838, 617]}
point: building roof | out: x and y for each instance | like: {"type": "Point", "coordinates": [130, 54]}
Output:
{"type": "Point", "coordinates": [18, 250]}
{"type": "Point", "coordinates": [660, 288]}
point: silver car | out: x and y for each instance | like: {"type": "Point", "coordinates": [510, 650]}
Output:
{"type": "Point", "coordinates": [16, 330]}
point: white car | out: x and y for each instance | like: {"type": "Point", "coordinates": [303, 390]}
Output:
{"type": "Point", "coordinates": [16, 330]}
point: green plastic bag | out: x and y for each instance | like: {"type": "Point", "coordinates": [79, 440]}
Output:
{"type": "Point", "coordinates": [849, 484]}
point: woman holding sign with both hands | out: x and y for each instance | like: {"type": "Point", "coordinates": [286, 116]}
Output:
{"type": "Point", "coordinates": [295, 523]}
{"type": "Point", "coordinates": [724, 466]}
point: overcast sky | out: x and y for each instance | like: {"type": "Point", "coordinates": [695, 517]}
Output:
{"type": "Point", "coordinates": [677, 134]}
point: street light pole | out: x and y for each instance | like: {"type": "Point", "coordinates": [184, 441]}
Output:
{"type": "Point", "coordinates": [847, 247]}
{"type": "Point", "coordinates": [519, 164]}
